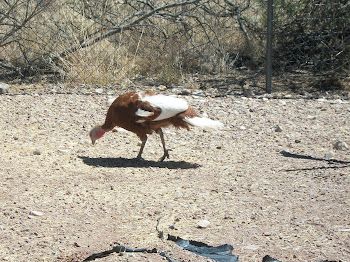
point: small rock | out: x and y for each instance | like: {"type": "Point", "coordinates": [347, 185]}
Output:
{"type": "Point", "coordinates": [337, 101]}
{"type": "Point", "coordinates": [297, 141]}
{"type": "Point", "coordinates": [99, 90]}
{"type": "Point", "coordinates": [162, 88]}
{"type": "Point", "coordinates": [198, 93]}
{"type": "Point", "coordinates": [35, 213]}
{"type": "Point", "coordinates": [248, 92]}
{"type": "Point", "coordinates": [185, 92]}
{"type": "Point", "coordinates": [251, 247]}
{"type": "Point", "coordinates": [311, 117]}
{"type": "Point", "coordinates": [242, 128]}
{"type": "Point", "coordinates": [283, 103]}
{"type": "Point", "coordinates": [267, 234]}
{"type": "Point", "coordinates": [203, 223]}
{"type": "Point", "coordinates": [37, 152]}
{"type": "Point", "coordinates": [110, 100]}
{"type": "Point", "coordinates": [63, 150]}
{"type": "Point", "coordinates": [278, 129]}
{"type": "Point", "coordinates": [340, 145]}
{"type": "Point", "coordinates": [328, 155]}
{"type": "Point", "coordinates": [4, 88]}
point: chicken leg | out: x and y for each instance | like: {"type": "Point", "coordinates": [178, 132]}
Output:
{"type": "Point", "coordinates": [166, 152]}
{"type": "Point", "coordinates": [141, 148]}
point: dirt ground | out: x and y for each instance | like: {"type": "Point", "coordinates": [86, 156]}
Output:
{"type": "Point", "coordinates": [284, 194]}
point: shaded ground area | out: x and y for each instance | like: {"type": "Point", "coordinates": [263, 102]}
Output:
{"type": "Point", "coordinates": [283, 194]}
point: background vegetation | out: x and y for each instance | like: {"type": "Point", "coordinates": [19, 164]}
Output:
{"type": "Point", "coordinates": [108, 42]}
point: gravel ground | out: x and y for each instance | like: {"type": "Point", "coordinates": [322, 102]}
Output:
{"type": "Point", "coordinates": [281, 192]}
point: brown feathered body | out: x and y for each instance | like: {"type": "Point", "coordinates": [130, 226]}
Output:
{"type": "Point", "coordinates": [123, 113]}
{"type": "Point", "coordinates": [146, 112]}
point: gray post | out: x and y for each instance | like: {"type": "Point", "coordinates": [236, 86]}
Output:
{"type": "Point", "coordinates": [269, 46]}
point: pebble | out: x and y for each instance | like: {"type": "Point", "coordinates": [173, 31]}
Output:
{"type": "Point", "coordinates": [340, 145]}
{"type": "Point", "coordinates": [337, 101]}
{"type": "Point", "coordinates": [198, 93]}
{"type": "Point", "coordinates": [203, 223]}
{"type": "Point", "coordinates": [4, 88]}
{"type": "Point", "coordinates": [99, 90]}
{"type": "Point", "coordinates": [251, 247]}
{"type": "Point", "coordinates": [162, 88]}
{"type": "Point", "coordinates": [63, 150]}
{"type": "Point", "coordinates": [311, 117]}
{"type": "Point", "coordinates": [35, 213]}
{"type": "Point", "coordinates": [283, 103]}
{"type": "Point", "coordinates": [185, 92]}
{"type": "Point", "coordinates": [110, 100]}
{"type": "Point", "coordinates": [248, 92]}
{"type": "Point", "coordinates": [278, 129]}
{"type": "Point", "coordinates": [328, 155]}
{"type": "Point", "coordinates": [37, 152]}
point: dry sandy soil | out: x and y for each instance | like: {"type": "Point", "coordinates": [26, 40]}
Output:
{"type": "Point", "coordinates": [63, 199]}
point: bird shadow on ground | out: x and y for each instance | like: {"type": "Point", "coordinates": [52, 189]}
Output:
{"type": "Point", "coordinates": [133, 162]}
{"type": "Point", "coordinates": [332, 162]}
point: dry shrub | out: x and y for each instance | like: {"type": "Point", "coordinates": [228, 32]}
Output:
{"type": "Point", "coordinates": [165, 46]}
{"type": "Point", "coordinates": [106, 63]}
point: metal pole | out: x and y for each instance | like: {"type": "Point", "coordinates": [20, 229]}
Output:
{"type": "Point", "coordinates": [269, 46]}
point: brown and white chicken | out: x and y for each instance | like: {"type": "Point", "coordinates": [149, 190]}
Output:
{"type": "Point", "coordinates": [146, 112]}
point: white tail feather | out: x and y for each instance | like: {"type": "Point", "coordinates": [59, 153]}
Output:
{"type": "Point", "coordinates": [204, 122]}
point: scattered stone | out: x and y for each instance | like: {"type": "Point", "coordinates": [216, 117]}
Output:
{"type": "Point", "coordinates": [278, 129]}
{"type": "Point", "coordinates": [63, 150]}
{"type": "Point", "coordinates": [99, 90]}
{"type": "Point", "coordinates": [328, 155]}
{"type": "Point", "coordinates": [340, 145]}
{"type": "Point", "coordinates": [110, 100]}
{"type": "Point", "coordinates": [283, 103]}
{"type": "Point", "coordinates": [4, 88]}
{"type": "Point", "coordinates": [203, 223]}
{"type": "Point", "coordinates": [185, 92]}
{"type": "Point", "coordinates": [37, 152]}
{"type": "Point", "coordinates": [311, 117]}
{"type": "Point", "coordinates": [267, 234]}
{"type": "Point", "coordinates": [251, 247]}
{"type": "Point", "coordinates": [198, 93]}
{"type": "Point", "coordinates": [242, 128]}
{"type": "Point", "coordinates": [35, 213]}
{"type": "Point", "coordinates": [337, 101]}
{"type": "Point", "coordinates": [162, 88]}
{"type": "Point", "coordinates": [297, 141]}
{"type": "Point", "coordinates": [248, 92]}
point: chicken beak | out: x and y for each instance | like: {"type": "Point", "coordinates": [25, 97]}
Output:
{"type": "Point", "coordinates": [93, 141]}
